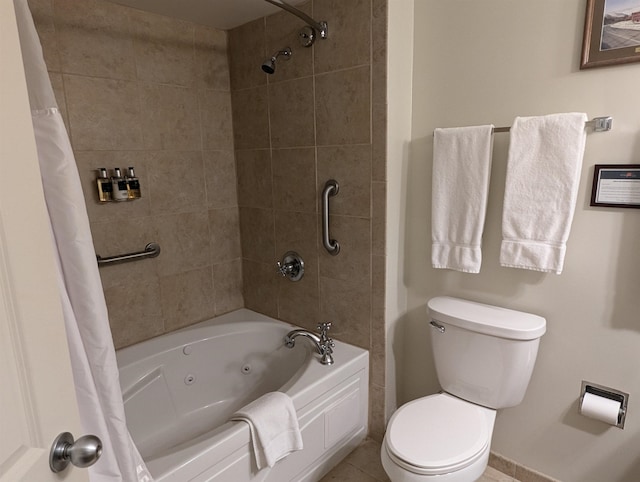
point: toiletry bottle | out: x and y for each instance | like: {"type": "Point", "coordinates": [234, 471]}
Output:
{"type": "Point", "coordinates": [105, 189]}
{"type": "Point", "coordinates": [133, 185]}
{"type": "Point", "coordinates": [119, 186]}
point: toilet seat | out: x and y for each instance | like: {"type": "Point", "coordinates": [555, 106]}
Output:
{"type": "Point", "coordinates": [437, 434]}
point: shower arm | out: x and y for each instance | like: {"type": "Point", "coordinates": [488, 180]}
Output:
{"type": "Point", "coordinates": [321, 27]}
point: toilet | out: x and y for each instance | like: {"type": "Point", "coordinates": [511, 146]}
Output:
{"type": "Point", "coordinates": [484, 356]}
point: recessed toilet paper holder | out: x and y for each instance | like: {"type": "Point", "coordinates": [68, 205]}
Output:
{"type": "Point", "coordinates": [611, 394]}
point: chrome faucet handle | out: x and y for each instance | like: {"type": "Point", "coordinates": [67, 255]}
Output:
{"type": "Point", "coordinates": [291, 266]}
{"type": "Point", "coordinates": [283, 269]}
{"type": "Point", "coordinates": [324, 327]}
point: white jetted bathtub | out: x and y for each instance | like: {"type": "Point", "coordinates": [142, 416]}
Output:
{"type": "Point", "coordinates": [179, 390]}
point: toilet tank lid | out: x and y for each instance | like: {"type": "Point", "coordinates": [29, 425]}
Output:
{"type": "Point", "coordinates": [486, 319]}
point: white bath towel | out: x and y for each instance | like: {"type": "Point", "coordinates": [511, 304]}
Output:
{"type": "Point", "coordinates": [274, 427]}
{"type": "Point", "coordinates": [543, 172]}
{"type": "Point", "coordinates": [461, 171]}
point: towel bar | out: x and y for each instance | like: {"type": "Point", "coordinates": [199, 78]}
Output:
{"type": "Point", "coordinates": [599, 124]}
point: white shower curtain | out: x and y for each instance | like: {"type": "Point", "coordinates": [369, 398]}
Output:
{"type": "Point", "coordinates": [91, 348]}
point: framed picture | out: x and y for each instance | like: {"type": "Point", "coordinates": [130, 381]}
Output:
{"type": "Point", "coordinates": [616, 185]}
{"type": "Point", "coordinates": [611, 33]}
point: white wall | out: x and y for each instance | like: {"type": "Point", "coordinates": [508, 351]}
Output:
{"type": "Point", "coordinates": [487, 62]}
{"type": "Point", "coordinates": [399, 71]}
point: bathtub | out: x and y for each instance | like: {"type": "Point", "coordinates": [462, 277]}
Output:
{"type": "Point", "coordinates": [179, 390]}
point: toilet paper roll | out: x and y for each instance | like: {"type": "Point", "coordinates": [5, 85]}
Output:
{"type": "Point", "coordinates": [600, 408]}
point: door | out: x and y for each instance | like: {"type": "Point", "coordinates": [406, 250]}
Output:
{"type": "Point", "coordinates": [37, 399]}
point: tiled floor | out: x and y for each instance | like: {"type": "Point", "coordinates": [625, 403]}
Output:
{"type": "Point", "coordinates": [363, 465]}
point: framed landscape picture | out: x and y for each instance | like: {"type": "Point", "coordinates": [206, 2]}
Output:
{"type": "Point", "coordinates": [611, 33]}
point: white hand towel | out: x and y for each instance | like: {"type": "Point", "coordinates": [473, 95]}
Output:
{"type": "Point", "coordinates": [461, 171]}
{"type": "Point", "coordinates": [543, 172]}
{"type": "Point", "coordinates": [274, 427]}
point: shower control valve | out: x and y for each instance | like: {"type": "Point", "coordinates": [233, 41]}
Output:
{"type": "Point", "coordinates": [291, 266]}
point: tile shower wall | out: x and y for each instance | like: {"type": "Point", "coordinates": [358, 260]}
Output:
{"type": "Point", "coordinates": [138, 89]}
{"type": "Point", "coordinates": [320, 116]}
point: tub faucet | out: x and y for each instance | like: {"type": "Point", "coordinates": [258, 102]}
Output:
{"type": "Point", "coordinates": [324, 345]}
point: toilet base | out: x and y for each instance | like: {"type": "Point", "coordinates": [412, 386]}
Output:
{"type": "Point", "coordinates": [471, 473]}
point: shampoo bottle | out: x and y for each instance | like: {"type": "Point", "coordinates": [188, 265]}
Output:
{"type": "Point", "coordinates": [105, 189]}
{"type": "Point", "coordinates": [133, 185]}
{"type": "Point", "coordinates": [119, 186]}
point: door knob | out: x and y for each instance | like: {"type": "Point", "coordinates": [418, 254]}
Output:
{"type": "Point", "coordinates": [82, 452]}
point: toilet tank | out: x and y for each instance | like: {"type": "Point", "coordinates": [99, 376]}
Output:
{"type": "Point", "coordinates": [484, 354]}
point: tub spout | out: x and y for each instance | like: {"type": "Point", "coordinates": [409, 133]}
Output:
{"type": "Point", "coordinates": [324, 345]}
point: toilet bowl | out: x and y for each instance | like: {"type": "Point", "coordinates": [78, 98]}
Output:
{"type": "Point", "coordinates": [439, 437]}
{"type": "Point", "coordinates": [484, 356]}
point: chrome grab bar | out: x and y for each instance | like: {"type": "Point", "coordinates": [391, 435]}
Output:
{"type": "Point", "coordinates": [151, 250]}
{"type": "Point", "coordinates": [331, 188]}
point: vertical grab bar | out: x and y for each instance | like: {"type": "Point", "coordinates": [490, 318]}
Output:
{"type": "Point", "coordinates": [331, 188]}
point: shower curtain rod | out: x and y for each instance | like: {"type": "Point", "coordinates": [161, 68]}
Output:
{"type": "Point", "coordinates": [321, 27]}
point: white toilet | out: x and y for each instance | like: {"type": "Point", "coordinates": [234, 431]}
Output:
{"type": "Point", "coordinates": [484, 357]}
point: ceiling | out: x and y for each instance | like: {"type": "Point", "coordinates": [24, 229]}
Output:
{"type": "Point", "coordinates": [222, 14]}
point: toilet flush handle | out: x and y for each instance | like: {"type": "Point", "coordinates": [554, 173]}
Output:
{"type": "Point", "coordinates": [437, 326]}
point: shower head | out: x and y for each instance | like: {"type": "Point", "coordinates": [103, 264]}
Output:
{"type": "Point", "coordinates": [269, 65]}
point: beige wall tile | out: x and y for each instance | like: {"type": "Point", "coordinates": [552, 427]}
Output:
{"type": "Point", "coordinates": [185, 242]}
{"type": "Point", "coordinates": [127, 235]}
{"type": "Point", "coordinates": [217, 122]}
{"type": "Point", "coordinates": [502, 464]}
{"type": "Point", "coordinates": [378, 218]}
{"type": "Point", "coordinates": [349, 41]}
{"type": "Point", "coordinates": [187, 298]}
{"type": "Point", "coordinates": [299, 301]}
{"type": "Point", "coordinates": [103, 114]}
{"type": "Point", "coordinates": [169, 117]}
{"type": "Point", "coordinates": [246, 54]}
{"type": "Point", "coordinates": [253, 169]}
{"type": "Point", "coordinates": [353, 262]}
{"type": "Point", "coordinates": [297, 232]}
{"type": "Point", "coordinates": [251, 118]}
{"type": "Point", "coordinates": [379, 142]}
{"type": "Point", "coordinates": [42, 8]}
{"type": "Point", "coordinates": [176, 181]}
{"type": "Point", "coordinates": [347, 304]}
{"type": "Point", "coordinates": [134, 312]}
{"type": "Point", "coordinates": [224, 225]}
{"type": "Point", "coordinates": [89, 162]}
{"type": "Point", "coordinates": [294, 179]}
{"type": "Point", "coordinates": [257, 236]}
{"type": "Point", "coordinates": [343, 107]}
{"type": "Point", "coordinates": [42, 13]}
{"type": "Point", "coordinates": [351, 167]}
{"type": "Point", "coordinates": [227, 283]}
{"type": "Point", "coordinates": [212, 63]}
{"type": "Point", "coordinates": [377, 423]}
{"type": "Point", "coordinates": [260, 287]}
{"type": "Point", "coordinates": [95, 38]}
{"type": "Point", "coordinates": [189, 202]}
{"type": "Point", "coordinates": [379, 51]}
{"type": "Point", "coordinates": [164, 49]}
{"type": "Point", "coordinates": [220, 179]}
{"type": "Point", "coordinates": [291, 113]}
{"type": "Point", "coordinates": [525, 474]}
{"type": "Point", "coordinates": [282, 31]}
{"type": "Point", "coordinates": [378, 329]}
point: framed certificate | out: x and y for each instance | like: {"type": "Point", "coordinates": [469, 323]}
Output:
{"type": "Point", "coordinates": [616, 185]}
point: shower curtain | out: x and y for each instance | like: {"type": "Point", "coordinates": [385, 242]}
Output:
{"type": "Point", "coordinates": [91, 348]}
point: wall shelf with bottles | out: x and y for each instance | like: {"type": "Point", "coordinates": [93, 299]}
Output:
{"type": "Point", "coordinates": [116, 187]}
